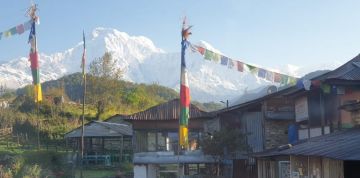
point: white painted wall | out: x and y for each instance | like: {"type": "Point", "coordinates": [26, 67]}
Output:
{"type": "Point", "coordinates": [301, 109]}
{"type": "Point", "coordinates": [151, 171]}
{"type": "Point", "coordinates": [139, 171]}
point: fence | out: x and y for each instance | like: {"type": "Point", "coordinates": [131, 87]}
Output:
{"type": "Point", "coordinates": [5, 131]}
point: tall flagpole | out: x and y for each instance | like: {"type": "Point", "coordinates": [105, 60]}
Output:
{"type": "Point", "coordinates": [34, 64]}
{"type": "Point", "coordinates": [83, 106]}
{"type": "Point", "coordinates": [184, 91]}
{"type": "Point", "coordinates": [184, 97]}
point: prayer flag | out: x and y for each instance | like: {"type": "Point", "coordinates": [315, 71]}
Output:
{"type": "Point", "coordinates": [261, 73]}
{"type": "Point", "coordinates": [216, 57]}
{"type": "Point", "coordinates": [224, 60]}
{"type": "Point", "coordinates": [20, 29]}
{"type": "Point", "coordinates": [316, 83]}
{"type": "Point", "coordinates": [240, 66]}
{"type": "Point", "coordinates": [269, 76]}
{"type": "Point", "coordinates": [252, 69]}
{"type": "Point", "coordinates": [307, 84]}
{"type": "Point", "coordinates": [201, 50]}
{"type": "Point", "coordinates": [284, 79]}
{"type": "Point", "coordinates": [292, 80]}
{"type": "Point", "coordinates": [277, 77]}
{"type": "Point", "coordinates": [325, 88]}
{"type": "Point", "coordinates": [300, 84]}
{"type": "Point", "coordinates": [231, 64]}
{"type": "Point", "coordinates": [208, 55]}
{"type": "Point", "coordinates": [7, 34]}
{"type": "Point", "coordinates": [13, 31]}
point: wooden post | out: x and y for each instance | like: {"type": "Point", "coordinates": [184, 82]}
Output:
{"type": "Point", "coordinates": [122, 148]}
{"type": "Point", "coordinates": [322, 113]}
{"type": "Point", "coordinates": [38, 125]}
{"type": "Point", "coordinates": [82, 125]}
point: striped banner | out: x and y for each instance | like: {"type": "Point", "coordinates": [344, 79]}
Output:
{"type": "Point", "coordinates": [34, 64]}
{"type": "Point", "coordinates": [184, 93]}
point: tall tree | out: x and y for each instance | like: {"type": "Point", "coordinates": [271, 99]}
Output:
{"type": "Point", "coordinates": [104, 82]}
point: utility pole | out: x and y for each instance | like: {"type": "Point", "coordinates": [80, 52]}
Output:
{"type": "Point", "coordinates": [227, 103]}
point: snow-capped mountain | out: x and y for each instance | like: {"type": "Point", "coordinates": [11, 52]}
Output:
{"type": "Point", "coordinates": [142, 62]}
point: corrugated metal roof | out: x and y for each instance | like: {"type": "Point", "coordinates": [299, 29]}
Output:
{"type": "Point", "coordinates": [166, 111]}
{"type": "Point", "coordinates": [101, 129]}
{"type": "Point", "coordinates": [348, 71]}
{"type": "Point", "coordinates": [281, 92]}
{"type": "Point", "coordinates": [342, 145]}
{"type": "Point", "coordinates": [171, 158]}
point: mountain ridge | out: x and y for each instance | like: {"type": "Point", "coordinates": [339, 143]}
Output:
{"type": "Point", "coordinates": [142, 62]}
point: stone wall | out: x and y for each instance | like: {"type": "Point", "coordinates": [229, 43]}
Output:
{"type": "Point", "coordinates": [276, 132]}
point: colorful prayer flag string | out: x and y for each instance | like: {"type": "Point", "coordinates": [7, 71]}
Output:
{"type": "Point", "coordinates": [17, 30]}
{"type": "Point", "coordinates": [241, 66]}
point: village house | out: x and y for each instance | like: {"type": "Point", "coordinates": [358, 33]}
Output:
{"type": "Point", "coordinates": [105, 143]}
{"type": "Point", "coordinates": [264, 119]}
{"type": "Point", "coordinates": [155, 142]}
{"type": "Point", "coordinates": [327, 136]}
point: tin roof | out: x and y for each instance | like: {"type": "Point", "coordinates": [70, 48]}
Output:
{"type": "Point", "coordinates": [348, 71]}
{"type": "Point", "coordinates": [191, 157]}
{"type": "Point", "coordinates": [166, 111]}
{"type": "Point", "coordinates": [342, 145]}
{"type": "Point", "coordinates": [282, 92]}
{"type": "Point", "coordinates": [101, 129]}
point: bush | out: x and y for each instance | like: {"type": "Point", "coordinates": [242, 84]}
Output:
{"type": "Point", "coordinates": [126, 167]}
{"type": "Point", "coordinates": [47, 159]}
{"type": "Point", "coordinates": [33, 171]}
{"type": "Point", "coordinates": [17, 164]}
{"type": "Point", "coordinates": [5, 172]}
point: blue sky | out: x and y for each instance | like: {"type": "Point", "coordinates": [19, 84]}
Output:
{"type": "Point", "coordinates": [265, 32]}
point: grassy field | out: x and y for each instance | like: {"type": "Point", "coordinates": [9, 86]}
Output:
{"type": "Point", "coordinates": [97, 173]}
{"type": "Point", "coordinates": [49, 160]}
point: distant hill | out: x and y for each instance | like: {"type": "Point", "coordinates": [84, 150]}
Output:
{"type": "Point", "coordinates": [127, 92]}
{"type": "Point", "coordinates": [72, 85]}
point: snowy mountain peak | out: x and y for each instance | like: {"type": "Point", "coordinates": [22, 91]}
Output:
{"type": "Point", "coordinates": [142, 62]}
{"type": "Point", "coordinates": [114, 38]}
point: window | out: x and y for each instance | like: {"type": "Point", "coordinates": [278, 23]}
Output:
{"type": "Point", "coordinates": [151, 137]}
{"type": "Point", "coordinates": [161, 140]}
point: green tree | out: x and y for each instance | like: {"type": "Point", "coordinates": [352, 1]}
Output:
{"type": "Point", "coordinates": [222, 143]}
{"type": "Point", "coordinates": [105, 67]}
{"type": "Point", "coordinates": [103, 83]}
